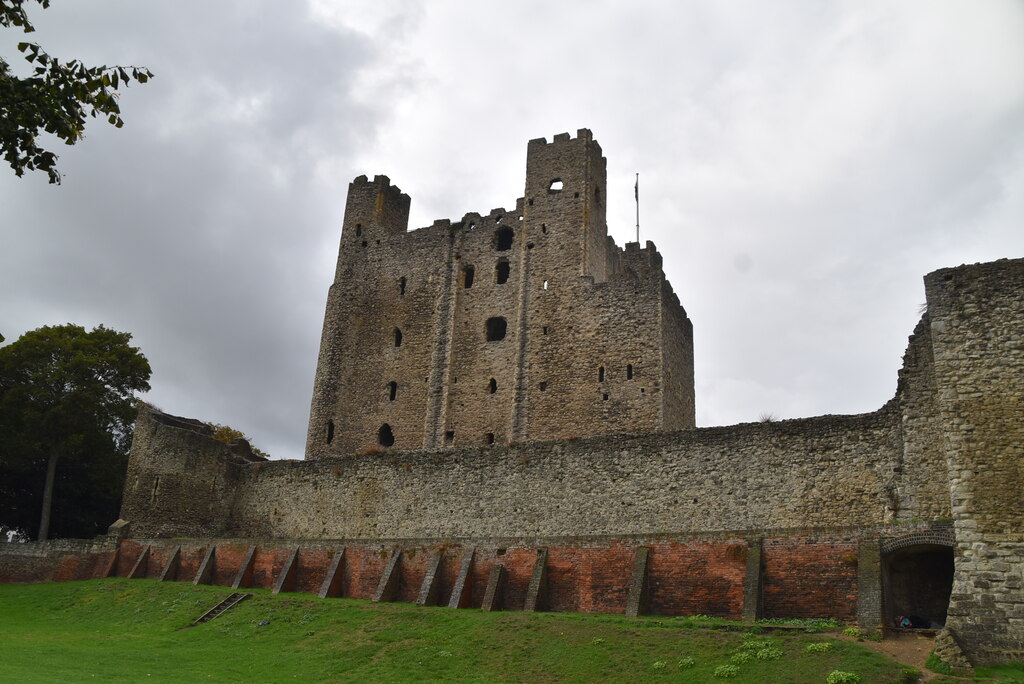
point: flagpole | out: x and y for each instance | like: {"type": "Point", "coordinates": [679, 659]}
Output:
{"type": "Point", "coordinates": [636, 195]}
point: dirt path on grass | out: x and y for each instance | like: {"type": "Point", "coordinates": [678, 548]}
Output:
{"type": "Point", "coordinates": [907, 648]}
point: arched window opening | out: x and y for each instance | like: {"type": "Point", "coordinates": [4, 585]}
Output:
{"type": "Point", "coordinates": [401, 286]}
{"type": "Point", "coordinates": [492, 386]}
{"type": "Point", "coordinates": [555, 185]}
{"type": "Point", "coordinates": [467, 276]}
{"type": "Point", "coordinates": [600, 374]}
{"type": "Point", "coordinates": [545, 285]}
{"type": "Point", "coordinates": [629, 371]}
{"type": "Point", "coordinates": [330, 431]}
{"type": "Point", "coordinates": [392, 390]}
{"type": "Point", "coordinates": [501, 272]}
{"type": "Point", "coordinates": [398, 337]}
{"type": "Point", "coordinates": [503, 239]}
{"type": "Point", "coordinates": [918, 583]}
{"type": "Point", "coordinates": [496, 328]}
{"type": "Point", "coordinates": [385, 437]}
{"type": "Point", "coordinates": [489, 437]}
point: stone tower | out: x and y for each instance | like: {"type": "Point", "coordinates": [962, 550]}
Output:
{"type": "Point", "coordinates": [520, 325]}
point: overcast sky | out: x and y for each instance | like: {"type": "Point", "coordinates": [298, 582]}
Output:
{"type": "Point", "coordinates": [802, 166]}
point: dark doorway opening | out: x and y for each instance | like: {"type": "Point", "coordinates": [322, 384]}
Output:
{"type": "Point", "coordinates": [918, 582]}
{"type": "Point", "coordinates": [384, 436]}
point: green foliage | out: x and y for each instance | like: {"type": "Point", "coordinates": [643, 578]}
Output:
{"type": "Point", "coordinates": [58, 632]}
{"type": "Point", "coordinates": [819, 647]}
{"type": "Point", "coordinates": [840, 677]}
{"type": "Point", "coordinates": [726, 671]}
{"type": "Point", "coordinates": [55, 99]}
{"type": "Point", "coordinates": [853, 632]}
{"type": "Point", "coordinates": [67, 404]}
{"type": "Point", "coordinates": [936, 664]}
{"type": "Point", "coordinates": [811, 625]}
{"type": "Point", "coordinates": [229, 435]}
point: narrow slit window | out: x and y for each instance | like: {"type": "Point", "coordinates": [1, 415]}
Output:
{"type": "Point", "coordinates": [600, 374]}
{"type": "Point", "coordinates": [392, 390]}
{"type": "Point", "coordinates": [629, 371]}
{"type": "Point", "coordinates": [359, 230]}
{"type": "Point", "coordinates": [330, 431]}
{"type": "Point", "coordinates": [545, 286]}
{"type": "Point", "coordinates": [543, 387]}
{"type": "Point", "coordinates": [503, 239]}
{"type": "Point", "coordinates": [401, 286]}
{"type": "Point", "coordinates": [385, 437]}
{"type": "Point", "coordinates": [496, 328]}
{"type": "Point", "coordinates": [467, 276]}
{"type": "Point", "coordinates": [501, 272]}
{"type": "Point", "coordinates": [398, 337]}
{"type": "Point", "coordinates": [492, 386]}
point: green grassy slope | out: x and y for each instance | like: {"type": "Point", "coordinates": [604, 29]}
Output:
{"type": "Point", "coordinates": [129, 630]}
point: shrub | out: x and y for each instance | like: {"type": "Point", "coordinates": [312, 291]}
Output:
{"type": "Point", "coordinates": [840, 677]}
{"type": "Point", "coordinates": [853, 632]}
{"type": "Point", "coordinates": [820, 647]}
{"type": "Point", "coordinates": [686, 663]}
{"type": "Point", "coordinates": [741, 658]}
{"type": "Point", "coordinates": [659, 664]}
{"type": "Point", "coordinates": [770, 654]}
{"type": "Point", "coordinates": [726, 671]}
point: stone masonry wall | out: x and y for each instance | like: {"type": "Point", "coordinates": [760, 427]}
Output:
{"type": "Point", "coordinates": [590, 334]}
{"type": "Point", "coordinates": [977, 330]}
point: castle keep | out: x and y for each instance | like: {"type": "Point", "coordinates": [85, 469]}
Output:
{"type": "Point", "coordinates": [503, 417]}
{"type": "Point", "coordinates": [519, 325]}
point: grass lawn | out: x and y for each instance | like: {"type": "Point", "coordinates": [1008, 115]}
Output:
{"type": "Point", "coordinates": [130, 630]}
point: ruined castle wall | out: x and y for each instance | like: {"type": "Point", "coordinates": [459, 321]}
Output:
{"type": "Point", "coordinates": [977, 330]}
{"type": "Point", "coordinates": [180, 481]}
{"type": "Point", "coordinates": [912, 497]}
{"type": "Point", "coordinates": [821, 472]}
{"type": "Point", "coordinates": [679, 408]}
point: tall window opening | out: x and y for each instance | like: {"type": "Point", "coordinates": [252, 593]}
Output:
{"type": "Point", "coordinates": [467, 276]}
{"type": "Point", "coordinates": [384, 436]}
{"type": "Point", "coordinates": [392, 390]}
{"type": "Point", "coordinates": [503, 239]}
{"type": "Point", "coordinates": [398, 337]}
{"type": "Point", "coordinates": [330, 431]}
{"type": "Point", "coordinates": [629, 371]}
{"type": "Point", "coordinates": [501, 272]}
{"type": "Point", "coordinates": [492, 386]}
{"type": "Point", "coordinates": [600, 374]}
{"type": "Point", "coordinates": [401, 286]}
{"type": "Point", "coordinates": [359, 230]}
{"type": "Point", "coordinates": [496, 328]}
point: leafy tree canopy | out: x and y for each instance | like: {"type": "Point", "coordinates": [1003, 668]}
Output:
{"type": "Point", "coordinates": [67, 396]}
{"type": "Point", "coordinates": [56, 98]}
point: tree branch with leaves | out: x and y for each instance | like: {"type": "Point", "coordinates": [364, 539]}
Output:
{"type": "Point", "coordinates": [57, 98]}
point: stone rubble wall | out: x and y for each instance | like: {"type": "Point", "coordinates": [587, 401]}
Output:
{"type": "Point", "coordinates": [977, 329]}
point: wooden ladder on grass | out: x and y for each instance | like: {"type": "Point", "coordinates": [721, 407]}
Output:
{"type": "Point", "coordinates": [227, 604]}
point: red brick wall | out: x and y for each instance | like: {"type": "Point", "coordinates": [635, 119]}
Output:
{"type": "Point", "coordinates": [808, 577]}
{"type": "Point", "coordinates": [803, 576]}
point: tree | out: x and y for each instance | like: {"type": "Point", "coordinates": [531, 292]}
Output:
{"type": "Point", "coordinates": [66, 396]}
{"type": "Point", "coordinates": [56, 98]}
